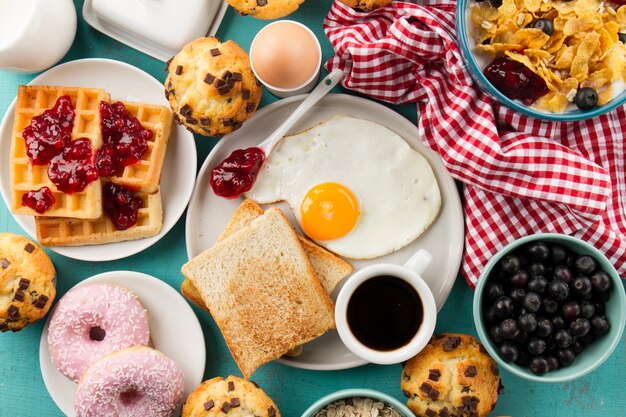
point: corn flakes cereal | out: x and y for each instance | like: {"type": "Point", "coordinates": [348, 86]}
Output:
{"type": "Point", "coordinates": [567, 44]}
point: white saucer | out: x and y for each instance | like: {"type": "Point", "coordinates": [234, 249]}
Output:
{"type": "Point", "coordinates": [174, 330]}
{"type": "Point", "coordinates": [208, 214]}
{"type": "Point", "coordinates": [123, 82]}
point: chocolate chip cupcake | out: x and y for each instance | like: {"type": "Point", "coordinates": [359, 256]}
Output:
{"type": "Point", "coordinates": [232, 397]}
{"type": "Point", "coordinates": [265, 9]}
{"type": "Point", "coordinates": [27, 282]}
{"type": "Point", "coordinates": [365, 5]}
{"type": "Point", "coordinates": [211, 87]}
{"type": "Point", "coordinates": [452, 376]}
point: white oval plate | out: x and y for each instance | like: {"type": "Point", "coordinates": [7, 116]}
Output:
{"type": "Point", "coordinates": [171, 321]}
{"type": "Point", "coordinates": [123, 82]}
{"type": "Point", "coordinates": [208, 215]}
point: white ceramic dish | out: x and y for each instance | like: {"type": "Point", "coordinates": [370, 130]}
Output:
{"type": "Point", "coordinates": [123, 82]}
{"type": "Point", "coordinates": [170, 318]}
{"type": "Point", "coordinates": [208, 214]}
{"type": "Point", "coordinates": [147, 44]}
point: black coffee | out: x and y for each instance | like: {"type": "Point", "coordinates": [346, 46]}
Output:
{"type": "Point", "coordinates": [385, 312]}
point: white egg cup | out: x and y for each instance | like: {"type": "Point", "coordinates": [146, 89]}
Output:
{"type": "Point", "coordinates": [303, 88]}
{"type": "Point", "coordinates": [410, 272]}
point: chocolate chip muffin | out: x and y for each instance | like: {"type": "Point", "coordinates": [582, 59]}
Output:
{"type": "Point", "coordinates": [265, 9]}
{"type": "Point", "coordinates": [452, 377]}
{"type": "Point", "coordinates": [365, 5]}
{"type": "Point", "coordinates": [211, 87]}
{"type": "Point", "coordinates": [27, 282]}
{"type": "Point", "coordinates": [232, 397]}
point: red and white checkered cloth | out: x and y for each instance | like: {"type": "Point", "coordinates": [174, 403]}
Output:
{"type": "Point", "coordinates": [522, 175]}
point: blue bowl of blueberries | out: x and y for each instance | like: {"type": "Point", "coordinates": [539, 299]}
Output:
{"type": "Point", "coordinates": [549, 308]}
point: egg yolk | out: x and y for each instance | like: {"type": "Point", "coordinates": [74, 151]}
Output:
{"type": "Point", "coordinates": [329, 211]}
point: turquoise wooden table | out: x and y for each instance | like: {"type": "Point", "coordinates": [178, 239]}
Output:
{"type": "Point", "coordinates": [22, 391]}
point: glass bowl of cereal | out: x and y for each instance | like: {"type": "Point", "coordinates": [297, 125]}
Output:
{"type": "Point", "coordinates": [554, 60]}
{"type": "Point", "coordinates": [358, 402]}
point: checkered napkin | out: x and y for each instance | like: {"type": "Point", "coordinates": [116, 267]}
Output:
{"type": "Point", "coordinates": [522, 175]}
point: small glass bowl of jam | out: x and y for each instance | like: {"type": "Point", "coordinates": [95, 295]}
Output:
{"type": "Point", "coordinates": [514, 85]}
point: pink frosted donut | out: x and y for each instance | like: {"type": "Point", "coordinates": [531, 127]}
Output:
{"type": "Point", "coordinates": [133, 382]}
{"type": "Point", "coordinates": [92, 320]}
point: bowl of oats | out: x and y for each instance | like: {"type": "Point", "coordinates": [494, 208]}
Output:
{"type": "Point", "coordinates": [358, 402]}
{"type": "Point", "coordinates": [551, 59]}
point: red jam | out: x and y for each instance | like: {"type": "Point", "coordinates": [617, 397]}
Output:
{"type": "Point", "coordinates": [515, 80]}
{"type": "Point", "coordinates": [121, 205]}
{"type": "Point", "coordinates": [73, 169]}
{"type": "Point", "coordinates": [124, 139]}
{"type": "Point", "coordinates": [48, 133]}
{"type": "Point", "coordinates": [39, 200]}
{"type": "Point", "coordinates": [236, 174]}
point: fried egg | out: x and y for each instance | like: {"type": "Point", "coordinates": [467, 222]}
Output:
{"type": "Point", "coordinates": [355, 187]}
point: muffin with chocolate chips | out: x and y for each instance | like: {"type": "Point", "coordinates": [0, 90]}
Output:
{"type": "Point", "coordinates": [27, 282]}
{"type": "Point", "coordinates": [211, 87]}
{"type": "Point", "coordinates": [453, 376]}
{"type": "Point", "coordinates": [232, 397]}
{"type": "Point", "coordinates": [265, 9]}
{"type": "Point", "coordinates": [365, 5]}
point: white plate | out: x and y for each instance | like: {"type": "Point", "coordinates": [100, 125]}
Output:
{"type": "Point", "coordinates": [123, 82]}
{"type": "Point", "coordinates": [171, 321]}
{"type": "Point", "coordinates": [155, 50]}
{"type": "Point", "coordinates": [208, 215]}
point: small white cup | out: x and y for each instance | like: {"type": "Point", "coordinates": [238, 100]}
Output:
{"type": "Point", "coordinates": [410, 272]}
{"type": "Point", "coordinates": [310, 82]}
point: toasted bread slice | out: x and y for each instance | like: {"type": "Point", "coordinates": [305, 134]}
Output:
{"type": "Point", "coordinates": [330, 269]}
{"type": "Point", "coordinates": [262, 291]}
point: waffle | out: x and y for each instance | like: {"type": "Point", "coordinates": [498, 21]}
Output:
{"type": "Point", "coordinates": [32, 101]}
{"type": "Point", "coordinates": [146, 174]}
{"type": "Point", "coordinates": [59, 231]}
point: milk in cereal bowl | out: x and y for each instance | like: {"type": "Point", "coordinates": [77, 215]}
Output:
{"type": "Point", "coordinates": [555, 60]}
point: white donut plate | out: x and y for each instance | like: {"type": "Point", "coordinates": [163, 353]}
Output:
{"type": "Point", "coordinates": [174, 330]}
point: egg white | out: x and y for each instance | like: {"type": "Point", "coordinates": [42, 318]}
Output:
{"type": "Point", "coordinates": [397, 190]}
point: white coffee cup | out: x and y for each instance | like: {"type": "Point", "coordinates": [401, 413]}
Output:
{"type": "Point", "coordinates": [410, 273]}
{"type": "Point", "coordinates": [35, 34]}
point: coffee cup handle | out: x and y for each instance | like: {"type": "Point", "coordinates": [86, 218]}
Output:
{"type": "Point", "coordinates": [419, 261]}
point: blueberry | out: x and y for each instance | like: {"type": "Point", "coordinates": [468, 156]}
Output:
{"type": "Point", "coordinates": [558, 290]}
{"type": "Point", "coordinates": [549, 306]}
{"type": "Point", "coordinates": [599, 306]}
{"type": "Point", "coordinates": [586, 98]}
{"type": "Point", "coordinates": [510, 264]}
{"type": "Point", "coordinates": [587, 339]}
{"type": "Point", "coordinates": [599, 325]}
{"type": "Point", "coordinates": [600, 282]}
{"type": "Point", "coordinates": [539, 365]}
{"type": "Point", "coordinates": [581, 285]}
{"type": "Point", "coordinates": [558, 322]}
{"type": "Point", "coordinates": [519, 279]}
{"type": "Point", "coordinates": [571, 310]}
{"type": "Point", "coordinates": [538, 252]}
{"type": "Point", "coordinates": [577, 347]}
{"type": "Point", "coordinates": [580, 327]}
{"type": "Point", "coordinates": [490, 315]}
{"type": "Point", "coordinates": [496, 334]}
{"type": "Point", "coordinates": [544, 24]}
{"type": "Point", "coordinates": [536, 346]}
{"type": "Point", "coordinates": [622, 37]}
{"type": "Point", "coordinates": [544, 327]}
{"type": "Point", "coordinates": [496, 3]}
{"type": "Point", "coordinates": [566, 357]}
{"type": "Point", "coordinates": [494, 291]}
{"type": "Point", "coordinates": [559, 254]}
{"type": "Point", "coordinates": [600, 297]}
{"type": "Point", "coordinates": [587, 309]}
{"type": "Point", "coordinates": [553, 362]}
{"type": "Point", "coordinates": [532, 302]}
{"type": "Point", "coordinates": [527, 322]}
{"type": "Point", "coordinates": [563, 338]}
{"type": "Point", "coordinates": [523, 358]}
{"type": "Point", "coordinates": [509, 328]}
{"type": "Point", "coordinates": [504, 307]}
{"type": "Point", "coordinates": [536, 269]}
{"type": "Point", "coordinates": [563, 273]}
{"type": "Point", "coordinates": [508, 352]}
{"type": "Point", "coordinates": [586, 264]}
{"type": "Point", "coordinates": [517, 295]}
{"type": "Point", "coordinates": [537, 284]}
